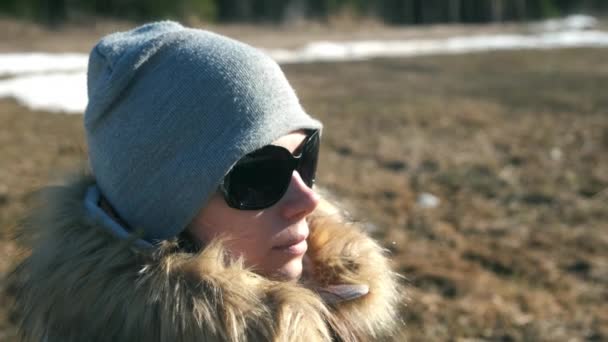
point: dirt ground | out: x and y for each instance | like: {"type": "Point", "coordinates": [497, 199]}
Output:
{"type": "Point", "coordinates": [81, 36]}
{"type": "Point", "coordinates": [514, 144]}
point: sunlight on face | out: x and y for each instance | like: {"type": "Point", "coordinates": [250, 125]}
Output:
{"type": "Point", "coordinates": [272, 241]}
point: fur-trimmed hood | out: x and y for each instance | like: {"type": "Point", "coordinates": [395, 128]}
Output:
{"type": "Point", "coordinates": [80, 283]}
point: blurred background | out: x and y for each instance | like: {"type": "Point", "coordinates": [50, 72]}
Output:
{"type": "Point", "coordinates": [277, 11]}
{"type": "Point", "coordinates": [469, 136]}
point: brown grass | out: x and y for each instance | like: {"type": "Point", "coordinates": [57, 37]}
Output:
{"type": "Point", "coordinates": [81, 35]}
{"type": "Point", "coordinates": [514, 143]}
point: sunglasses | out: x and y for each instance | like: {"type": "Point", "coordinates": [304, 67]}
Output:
{"type": "Point", "coordinates": [261, 178]}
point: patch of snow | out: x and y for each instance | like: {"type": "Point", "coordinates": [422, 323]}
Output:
{"type": "Point", "coordinates": [12, 64]}
{"type": "Point", "coordinates": [361, 50]}
{"type": "Point", "coordinates": [556, 154]}
{"type": "Point", "coordinates": [575, 22]}
{"type": "Point", "coordinates": [428, 200]}
{"type": "Point", "coordinates": [57, 82]}
{"type": "Point", "coordinates": [50, 92]}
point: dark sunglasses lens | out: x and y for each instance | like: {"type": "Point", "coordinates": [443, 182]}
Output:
{"type": "Point", "coordinates": [310, 156]}
{"type": "Point", "coordinates": [260, 179]}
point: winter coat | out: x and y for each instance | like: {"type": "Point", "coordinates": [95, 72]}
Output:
{"type": "Point", "coordinates": [81, 283]}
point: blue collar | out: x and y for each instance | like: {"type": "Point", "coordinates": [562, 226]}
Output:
{"type": "Point", "coordinates": [91, 203]}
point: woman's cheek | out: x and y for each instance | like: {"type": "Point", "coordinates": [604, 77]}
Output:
{"type": "Point", "coordinates": [249, 243]}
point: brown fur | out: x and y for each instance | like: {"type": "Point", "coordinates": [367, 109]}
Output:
{"type": "Point", "coordinates": [79, 283]}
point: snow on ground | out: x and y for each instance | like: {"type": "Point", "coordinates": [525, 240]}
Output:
{"type": "Point", "coordinates": [573, 22]}
{"type": "Point", "coordinates": [54, 92]}
{"type": "Point", "coordinates": [348, 51]}
{"type": "Point", "coordinates": [24, 63]}
{"type": "Point", "coordinates": [57, 82]}
{"type": "Point", "coordinates": [427, 200]}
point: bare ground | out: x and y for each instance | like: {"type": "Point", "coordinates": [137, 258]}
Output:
{"type": "Point", "coordinates": [80, 36]}
{"type": "Point", "coordinates": [515, 145]}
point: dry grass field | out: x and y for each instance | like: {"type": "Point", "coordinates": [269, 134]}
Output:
{"type": "Point", "coordinates": [514, 144]}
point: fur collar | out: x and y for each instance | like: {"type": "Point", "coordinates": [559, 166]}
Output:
{"type": "Point", "coordinates": [79, 283]}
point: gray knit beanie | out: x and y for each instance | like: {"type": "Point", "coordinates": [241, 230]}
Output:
{"type": "Point", "coordinates": [171, 110]}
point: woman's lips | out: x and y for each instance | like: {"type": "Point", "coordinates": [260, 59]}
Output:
{"type": "Point", "coordinates": [296, 246]}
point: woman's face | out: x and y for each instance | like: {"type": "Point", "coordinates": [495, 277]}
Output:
{"type": "Point", "coordinates": [272, 241]}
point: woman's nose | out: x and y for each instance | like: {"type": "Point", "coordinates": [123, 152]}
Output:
{"type": "Point", "coordinates": [299, 200]}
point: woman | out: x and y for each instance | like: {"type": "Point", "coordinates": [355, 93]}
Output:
{"type": "Point", "coordinates": [197, 220]}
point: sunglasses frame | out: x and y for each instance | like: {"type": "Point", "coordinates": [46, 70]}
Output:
{"type": "Point", "coordinates": [294, 164]}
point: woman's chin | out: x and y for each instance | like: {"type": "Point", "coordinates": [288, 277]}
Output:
{"type": "Point", "coordinates": [290, 271]}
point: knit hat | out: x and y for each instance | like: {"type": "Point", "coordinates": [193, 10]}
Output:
{"type": "Point", "coordinates": [171, 110]}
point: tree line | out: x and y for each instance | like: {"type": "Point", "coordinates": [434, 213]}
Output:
{"type": "Point", "coordinates": [279, 11]}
